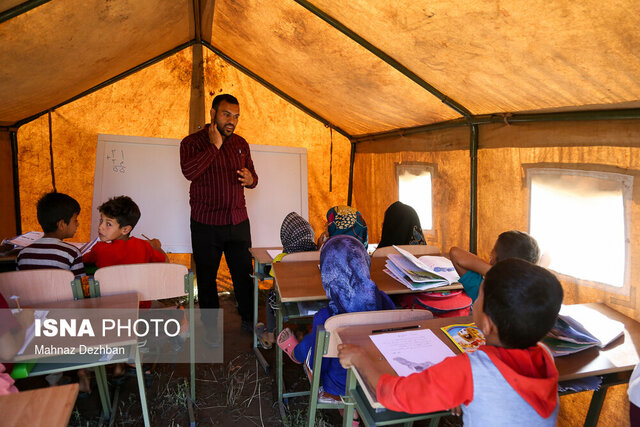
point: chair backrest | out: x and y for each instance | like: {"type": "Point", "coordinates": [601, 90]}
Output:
{"type": "Point", "coordinates": [152, 281]}
{"type": "Point", "coordinates": [37, 286]}
{"type": "Point", "coordinates": [417, 250]}
{"type": "Point", "coordinates": [368, 318]}
{"type": "Point", "coordinates": [302, 256]}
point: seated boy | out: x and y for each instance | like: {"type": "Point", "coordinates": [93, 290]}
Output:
{"type": "Point", "coordinates": [510, 244]}
{"type": "Point", "coordinates": [511, 380]}
{"type": "Point", "coordinates": [118, 216]}
{"type": "Point", "coordinates": [58, 217]}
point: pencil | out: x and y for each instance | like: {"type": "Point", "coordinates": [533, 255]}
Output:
{"type": "Point", "coordinates": [146, 237]}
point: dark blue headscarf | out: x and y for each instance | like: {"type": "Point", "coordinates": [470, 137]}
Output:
{"type": "Point", "coordinates": [345, 264]}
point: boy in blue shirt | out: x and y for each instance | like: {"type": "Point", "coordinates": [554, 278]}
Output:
{"type": "Point", "coordinates": [472, 268]}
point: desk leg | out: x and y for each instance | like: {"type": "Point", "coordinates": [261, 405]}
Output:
{"type": "Point", "coordinates": [256, 286]}
{"type": "Point", "coordinates": [595, 407]}
{"type": "Point", "coordinates": [143, 394]}
{"type": "Point", "coordinates": [347, 419]}
{"type": "Point", "coordinates": [103, 390]}
{"type": "Point", "coordinates": [279, 379]}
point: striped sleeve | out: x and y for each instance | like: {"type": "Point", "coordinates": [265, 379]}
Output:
{"type": "Point", "coordinates": [49, 253]}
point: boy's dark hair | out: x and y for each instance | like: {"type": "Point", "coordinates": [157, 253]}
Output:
{"type": "Point", "coordinates": [53, 207]}
{"type": "Point", "coordinates": [123, 209]}
{"type": "Point", "coordinates": [517, 244]}
{"type": "Point", "coordinates": [230, 99]}
{"type": "Point", "coordinates": [523, 300]}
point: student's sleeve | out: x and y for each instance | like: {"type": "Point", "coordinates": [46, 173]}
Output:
{"type": "Point", "coordinates": [91, 257]}
{"type": "Point", "coordinates": [195, 161]}
{"type": "Point", "coordinates": [77, 267]}
{"type": "Point", "coordinates": [154, 255]}
{"type": "Point", "coordinates": [443, 386]}
{"type": "Point", "coordinates": [249, 165]}
{"type": "Point", "coordinates": [471, 282]}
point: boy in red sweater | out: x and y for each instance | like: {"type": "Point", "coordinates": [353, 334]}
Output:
{"type": "Point", "coordinates": [510, 380]}
{"type": "Point", "coordinates": [118, 216]}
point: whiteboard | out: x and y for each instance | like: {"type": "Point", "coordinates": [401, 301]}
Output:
{"type": "Point", "coordinates": [148, 170]}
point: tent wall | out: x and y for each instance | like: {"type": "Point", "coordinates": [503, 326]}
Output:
{"type": "Point", "coordinates": [155, 102]}
{"type": "Point", "coordinates": [7, 216]}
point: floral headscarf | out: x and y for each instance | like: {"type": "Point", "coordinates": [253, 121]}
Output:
{"type": "Point", "coordinates": [348, 221]}
{"type": "Point", "coordinates": [344, 265]}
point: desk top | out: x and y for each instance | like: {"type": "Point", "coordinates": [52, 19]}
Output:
{"type": "Point", "coordinates": [50, 406]}
{"type": "Point", "coordinates": [619, 356]}
{"type": "Point", "coordinates": [301, 281]}
{"type": "Point", "coordinates": [261, 255]}
{"type": "Point", "coordinates": [127, 303]}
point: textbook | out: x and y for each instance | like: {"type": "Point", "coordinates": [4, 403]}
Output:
{"type": "Point", "coordinates": [467, 337]}
{"type": "Point", "coordinates": [422, 273]}
{"type": "Point", "coordinates": [26, 239]}
{"type": "Point", "coordinates": [578, 328]}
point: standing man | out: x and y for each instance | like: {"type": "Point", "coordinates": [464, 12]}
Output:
{"type": "Point", "coordinates": [218, 164]}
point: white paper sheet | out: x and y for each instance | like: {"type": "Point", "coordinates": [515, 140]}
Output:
{"type": "Point", "coordinates": [274, 252]}
{"type": "Point", "coordinates": [411, 351]}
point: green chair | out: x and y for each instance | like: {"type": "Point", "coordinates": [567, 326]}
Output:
{"type": "Point", "coordinates": [327, 346]}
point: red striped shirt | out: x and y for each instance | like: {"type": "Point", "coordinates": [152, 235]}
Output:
{"type": "Point", "coordinates": [216, 196]}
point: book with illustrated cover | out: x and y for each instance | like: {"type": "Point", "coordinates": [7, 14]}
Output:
{"type": "Point", "coordinates": [420, 273]}
{"type": "Point", "coordinates": [467, 337]}
{"type": "Point", "coordinates": [578, 328]}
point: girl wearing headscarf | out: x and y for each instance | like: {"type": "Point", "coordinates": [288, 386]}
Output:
{"type": "Point", "coordinates": [345, 220]}
{"type": "Point", "coordinates": [296, 235]}
{"type": "Point", "coordinates": [344, 266]}
{"type": "Point", "coordinates": [401, 226]}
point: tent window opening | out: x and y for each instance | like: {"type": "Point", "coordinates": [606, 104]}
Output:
{"type": "Point", "coordinates": [581, 221]}
{"type": "Point", "coordinates": [414, 189]}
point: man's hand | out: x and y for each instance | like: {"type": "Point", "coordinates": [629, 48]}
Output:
{"type": "Point", "coordinates": [245, 177]}
{"type": "Point", "coordinates": [214, 136]}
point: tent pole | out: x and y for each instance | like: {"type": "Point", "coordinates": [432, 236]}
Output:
{"type": "Point", "coordinates": [13, 135]}
{"type": "Point", "coordinates": [20, 9]}
{"type": "Point", "coordinates": [460, 109]}
{"type": "Point", "coordinates": [274, 89]}
{"type": "Point", "coordinates": [627, 114]}
{"type": "Point", "coordinates": [351, 162]}
{"type": "Point", "coordinates": [473, 187]}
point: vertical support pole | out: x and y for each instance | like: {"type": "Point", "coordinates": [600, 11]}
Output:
{"type": "Point", "coordinates": [473, 189]}
{"type": "Point", "coordinates": [13, 135]}
{"type": "Point", "coordinates": [351, 162]}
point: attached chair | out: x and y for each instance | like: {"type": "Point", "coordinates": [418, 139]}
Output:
{"type": "Point", "coordinates": [327, 346]}
{"type": "Point", "coordinates": [40, 286]}
{"type": "Point", "coordinates": [151, 281]}
{"type": "Point", "coordinates": [417, 250]}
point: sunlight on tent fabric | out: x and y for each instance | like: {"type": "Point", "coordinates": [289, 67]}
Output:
{"type": "Point", "coordinates": [579, 220]}
{"type": "Point", "coordinates": [414, 189]}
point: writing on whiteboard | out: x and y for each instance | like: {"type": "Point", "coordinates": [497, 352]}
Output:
{"type": "Point", "coordinates": [117, 160]}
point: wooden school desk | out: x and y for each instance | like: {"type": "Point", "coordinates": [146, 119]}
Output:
{"type": "Point", "coordinates": [301, 281]}
{"type": "Point", "coordinates": [614, 363]}
{"type": "Point", "coordinates": [261, 260]}
{"type": "Point", "coordinates": [57, 363]}
{"type": "Point", "coordinates": [48, 406]}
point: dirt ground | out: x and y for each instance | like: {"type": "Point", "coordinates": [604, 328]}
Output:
{"type": "Point", "coordinates": [237, 392]}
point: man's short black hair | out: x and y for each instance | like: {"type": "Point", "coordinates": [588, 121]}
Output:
{"type": "Point", "coordinates": [123, 209]}
{"type": "Point", "coordinates": [53, 207]}
{"type": "Point", "coordinates": [523, 300]}
{"type": "Point", "coordinates": [230, 99]}
{"type": "Point", "coordinates": [517, 244]}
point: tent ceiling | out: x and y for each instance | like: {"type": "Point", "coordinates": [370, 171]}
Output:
{"type": "Point", "coordinates": [63, 48]}
{"type": "Point", "coordinates": [489, 56]}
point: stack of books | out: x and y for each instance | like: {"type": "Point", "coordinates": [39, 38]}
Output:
{"type": "Point", "coordinates": [421, 273]}
{"type": "Point", "coordinates": [579, 328]}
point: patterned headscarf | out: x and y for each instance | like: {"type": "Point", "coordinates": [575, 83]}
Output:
{"type": "Point", "coordinates": [296, 234]}
{"type": "Point", "coordinates": [401, 226]}
{"type": "Point", "coordinates": [344, 265]}
{"type": "Point", "coordinates": [347, 220]}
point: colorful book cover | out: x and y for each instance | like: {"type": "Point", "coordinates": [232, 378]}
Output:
{"type": "Point", "coordinates": [467, 337]}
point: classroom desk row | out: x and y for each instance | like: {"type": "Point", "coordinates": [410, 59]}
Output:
{"type": "Point", "coordinates": [48, 364]}
{"type": "Point", "coordinates": [301, 281]}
